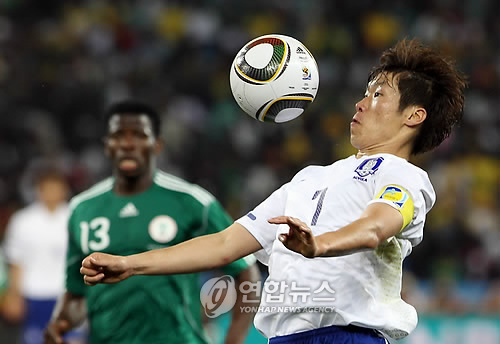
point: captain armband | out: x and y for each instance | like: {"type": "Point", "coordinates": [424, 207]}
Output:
{"type": "Point", "coordinates": [400, 199]}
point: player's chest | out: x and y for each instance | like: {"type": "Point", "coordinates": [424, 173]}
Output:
{"type": "Point", "coordinates": [330, 194]}
{"type": "Point", "coordinates": [41, 232]}
{"type": "Point", "coordinates": [128, 227]}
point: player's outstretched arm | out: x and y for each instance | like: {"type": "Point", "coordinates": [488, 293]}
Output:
{"type": "Point", "coordinates": [199, 254]}
{"type": "Point", "coordinates": [377, 223]}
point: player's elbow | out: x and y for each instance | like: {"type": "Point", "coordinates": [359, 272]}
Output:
{"type": "Point", "coordinates": [371, 241]}
{"type": "Point", "coordinates": [374, 236]}
{"type": "Point", "coordinates": [225, 260]}
{"type": "Point", "coordinates": [380, 222]}
{"type": "Point", "coordinates": [376, 230]}
{"type": "Point", "coordinates": [224, 249]}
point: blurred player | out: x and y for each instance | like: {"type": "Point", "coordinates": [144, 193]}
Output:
{"type": "Point", "coordinates": [138, 209]}
{"type": "Point", "coordinates": [36, 238]}
{"type": "Point", "coordinates": [362, 215]}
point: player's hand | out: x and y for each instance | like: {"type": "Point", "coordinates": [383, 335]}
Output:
{"type": "Point", "coordinates": [299, 238]}
{"type": "Point", "coordinates": [54, 332]}
{"type": "Point", "coordinates": [13, 308]}
{"type": "Point", "coordinates": [104, 268]}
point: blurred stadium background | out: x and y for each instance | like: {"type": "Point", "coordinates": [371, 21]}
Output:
{"type": "Point", "coordinates": [62, 62]}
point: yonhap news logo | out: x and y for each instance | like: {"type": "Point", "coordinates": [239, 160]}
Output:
{"type": "Point", "coordinates": [218, 296]}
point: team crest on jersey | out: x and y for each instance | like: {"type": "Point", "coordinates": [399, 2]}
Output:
{"type": "Point", "coordinates": [369, 166]}
{"type": "Point", "coordinates": [162, 229]}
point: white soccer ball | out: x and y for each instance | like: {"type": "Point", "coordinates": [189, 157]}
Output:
{"type": "Point", "coordinates": [274, 78]}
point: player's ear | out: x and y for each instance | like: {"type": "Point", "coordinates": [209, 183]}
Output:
{"type": "Point", "coordinates": [159, 145]}
{"type": "Point", "coordinates": [416, 116]}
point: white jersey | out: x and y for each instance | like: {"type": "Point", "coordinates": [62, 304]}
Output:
{"type": "Point", "coordinates": [362, 288]}
{"type": "Point", "coordinates": [36, 241]}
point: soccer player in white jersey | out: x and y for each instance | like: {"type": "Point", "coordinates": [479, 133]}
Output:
{"type": "Point", "coordinates": [337, 234]}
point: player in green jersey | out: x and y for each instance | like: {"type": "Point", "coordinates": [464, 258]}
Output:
{"type": "Point", "coordinates": [141, 208]}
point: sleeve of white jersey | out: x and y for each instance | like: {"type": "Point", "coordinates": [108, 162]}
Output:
{"type": "Point", "coordinates": [420, 190]}
{"type": "Point", "coordinates": [256, 222]}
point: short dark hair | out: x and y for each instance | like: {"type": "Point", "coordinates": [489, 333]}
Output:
{"type": "Point", "coordinates": [427, 79]}
{"type": "Point", "coordinates": [49, 173]}
{"type": "Point", "coordinates": [134, 107]}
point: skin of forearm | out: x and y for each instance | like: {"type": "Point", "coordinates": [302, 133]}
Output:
{"type": "Point", "coordinates": [362, 234]}
{"type": "Point", "coordinates": [12, 303]}
{"type": "Point", "coordinates": [198, 254]}
{"type": "Point", "coordinates": [15, 276]}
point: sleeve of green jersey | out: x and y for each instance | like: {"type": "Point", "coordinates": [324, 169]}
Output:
{"type": "Point", "coordinates": [74, 257]}
{"type": "Point", "coordinates": [4, 274]}
{"type": "Point", "coordinates": [215, 220]}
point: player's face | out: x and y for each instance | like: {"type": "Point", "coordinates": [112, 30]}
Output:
{"type": "Point", "coordinates": [52, 191]}
{"type": "Point", "coordinates": [131, 144]}
{"type": "Point", "coordinates": [378, 120]}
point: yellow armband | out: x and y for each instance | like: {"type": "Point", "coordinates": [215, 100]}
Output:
{"type": "Point", "coordinates": [401, 200]}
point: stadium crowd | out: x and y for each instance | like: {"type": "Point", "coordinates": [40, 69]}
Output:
{"type": "Point", "coordinates": [62, 62]}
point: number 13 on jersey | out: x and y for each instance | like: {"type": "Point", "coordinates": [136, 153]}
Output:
{"type": "Point", "coordinates": [100, 226]}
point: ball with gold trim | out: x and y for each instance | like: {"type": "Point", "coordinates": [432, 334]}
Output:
{"type": "Point", "coordinates": [274, 78]}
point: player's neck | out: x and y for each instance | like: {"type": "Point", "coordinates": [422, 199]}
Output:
{"type": "Point", "coordinates": [403, 152]}
{"type": "Point", "coordinates": [132, 185]}
{"type": "Point", "coordinates": [401, 145]}
{"type": "Point", "coordinates": [52, 206]}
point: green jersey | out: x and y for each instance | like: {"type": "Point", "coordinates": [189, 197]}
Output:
{"type": "Point", "coordinates": [142, 309]}
{"type": "Point", "coordinates": [4, 273]}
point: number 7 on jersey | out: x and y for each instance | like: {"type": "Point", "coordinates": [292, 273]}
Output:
{"type": "Point", "coordinates": [321, 193]}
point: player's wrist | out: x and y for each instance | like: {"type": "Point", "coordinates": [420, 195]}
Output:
{"type": "Point", "coordinates": [130, 265]}
{"type": "Point", "coordinates": [321, 247]}
{"type": "Point", "coordinates": [136, 264]}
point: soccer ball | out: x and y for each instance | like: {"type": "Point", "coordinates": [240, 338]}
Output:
{"type": "Point", "coordinates": [274, 78]}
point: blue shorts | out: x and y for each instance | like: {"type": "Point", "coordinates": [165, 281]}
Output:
{"type": "Point", "coordinates": [332, 335]}
{"type": "Point", "coordinates": [38, 314]}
